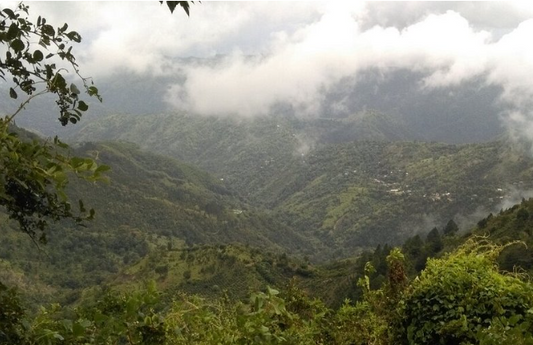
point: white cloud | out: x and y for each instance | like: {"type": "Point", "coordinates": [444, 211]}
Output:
{"type": "Point", "coordinates": [301, 49]}
{"type": "Point", "coordinates": [301, 66]}
{"type": "Point", "coordinates": [143, 36]}
{"type": "Point", "coordinates": [512, 64]}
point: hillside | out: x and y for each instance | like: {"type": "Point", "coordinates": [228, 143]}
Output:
{"type": "Point", "coordinates": [326, 179]}
{"type": "Point", "coordinates": [367, 193]}
{"type": "Point", "coordinates": [173, 199]}
{"type": "Point", "coordinates": [234, 270]}
{"type": "Point", "coordinates": [151, 202]}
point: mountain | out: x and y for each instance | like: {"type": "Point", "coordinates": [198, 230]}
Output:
{"type": "Point", "coordinates": [152, 201]}
{"type": "Point", "coordinates": [367, 193]}
{"type": "Point", "coordinates": [321, 181]}
{"type": "Point", "coordinates": [174, 199]}
{"type": "Point", "coordinates": [466, 113]}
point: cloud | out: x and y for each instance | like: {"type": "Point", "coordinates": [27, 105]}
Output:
{"type": "Point", "coordinates": [300, 68]}
{"type": "Point", "coordinates": [295, 70]}
{"type": "Point", "coordinates": [143, 37]}
{"type": "Point", "coordinates": [485, 15]}
{"type": "Point", "coordinates": [294, 53]}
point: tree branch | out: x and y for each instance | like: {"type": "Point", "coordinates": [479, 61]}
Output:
{"type": "Point", "coordinates": [23, 104]}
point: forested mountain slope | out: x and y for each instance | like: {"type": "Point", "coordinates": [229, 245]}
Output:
{"type": "Point", "coordinates": [367, 193]}
{"type": "Point", "coordinates": [150, 202]}
{"type": "Point", "coordinates": [327, 179]}
{"type": "Point", "coordinates": [170, 198]}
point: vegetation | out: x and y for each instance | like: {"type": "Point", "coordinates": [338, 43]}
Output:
{"type": "Point", "coordinates": [349, 195]}
{"type": "Point", "coordinates": [34, 174]}
{"type": "Point", "coordinates": [152, 203]}
{"type": "Point", "coordinates": [461, 298]}
{"type": "Point", "coordinates": [211, 252]}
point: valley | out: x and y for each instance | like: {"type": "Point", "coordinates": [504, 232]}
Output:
{"type": "Point", "coordinates": [266, 173]}
{"type": "Point", "coordinates": [256, 185]}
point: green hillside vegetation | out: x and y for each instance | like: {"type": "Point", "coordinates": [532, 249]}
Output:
{"type": "Point", "coordinates": [172, 199]}
{"type": "Point", "coordinates": [235, 270]}
{"type": "Point", "coordinates": [367, 193]}
{"type": "Point", "coordinates": [349, 194]}
{"type": "Point", "coordinates": [250, 154]}
{"type": "Point", "coordinates": [151, 202]}
{"type": "Point", "coordinates": [271, 230]}
{"type": "Point", "coordinates": [154, 203]}
{"type": "Point", "coordinates": [511, 224]}
{"type": "Point", "coordinates": [311, 307]}
{"type": "Point", "coordinates": [460, 298]}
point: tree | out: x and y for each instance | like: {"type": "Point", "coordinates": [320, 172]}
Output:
{"type": "Point", "coordinates": [434, 241]}
{"type": "Point", "coordinates": [34, 173]}
{"type": "Point", "coordinates": [522, 215]}
{"type": "Point", "coordinates": [463, 299]}
{"type": "Point", "coordinates": [451, 228]}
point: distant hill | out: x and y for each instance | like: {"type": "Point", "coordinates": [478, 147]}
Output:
{"type": "Point", "coordinates": [467, 113]}
{"type": "Point", "coordinates": [367, 193]}
{"type": "Point", "coordinates": [325, 178]}
{"type": "Point", "coordinates": [243, 149]}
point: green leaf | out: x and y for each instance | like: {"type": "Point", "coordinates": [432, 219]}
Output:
{"type": "Point", "coordinates": [102, 168]}
{"type": "Point", "coordinates": [93, 91]}
{"type": "Point", "coordinates": [173, 4]}
{"type": "Point", "coordinates": [78, 330]}
{"type": "Point", "coordinates": [74, 89]}
{"type": "Point", "coordinates": [67, 324]}
{"type": "Point", "coordinates": [83, 106]}
{"type": "Point", "coordinates": [58, 81]}
{"type": "Point", "coordinates": [13, 31]}
{"type": "Point", "coordinates": [10, 13]}
{"type": "Point", "coordinates": [12, 93]}
{"type": "Point", "coordinates": [17, 45]}
{"type": "Point", "coordinates": [58, 336]}
{"type": "Point", "coordinates": [48, 30]}
{"type": "Point", "coordinates": [74, 36]}
{"type": "Point", "coordinates": [38, 56]}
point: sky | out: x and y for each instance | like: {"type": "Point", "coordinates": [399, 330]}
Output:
{"type": "Point", "coordinates": [263, 53]}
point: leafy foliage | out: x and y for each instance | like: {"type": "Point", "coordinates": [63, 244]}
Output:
{"type": "Point", "coordinates": [173, 4]}
{"type": "Point", "coordinates": [33, 175]}
{"type": "Point", "coordinates": [33, 178]}
{"type": "Point", "coordinates": [458, 299]}
{"type": "Point", "coordinates": [35, 71]}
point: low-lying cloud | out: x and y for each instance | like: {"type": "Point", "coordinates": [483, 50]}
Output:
{"type": "Point", "coordinates": [260, 55]}
{"type": "Point", "coordinates": [300, 68]}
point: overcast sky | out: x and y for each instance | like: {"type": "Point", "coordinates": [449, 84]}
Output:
{"type": "Point", "coordinates": [293, 51]}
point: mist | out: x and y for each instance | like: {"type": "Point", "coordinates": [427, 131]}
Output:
{"type": "Point", "coordinates": [259, 55]}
